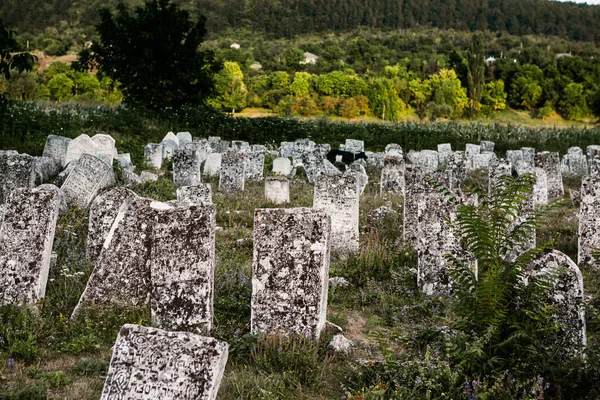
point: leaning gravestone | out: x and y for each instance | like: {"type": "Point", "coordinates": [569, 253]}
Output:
{"type": "Point", "coordinates": [233, 172]}
{"type": "Point", "coordinates": [56, 148]}
{"type": "Point", "coordinates": [89, 176]}
{"type": "Point", "coordinates": [277, 189]}
{"type": "Point", "coordinates": [290, 271]}
{"type": "Point", "coordinates": [154, 154]}
{"type": "Point", "coordinates": [550, 162]}
{"type": "Point", "coordinates": [150, 363]}
{"type": "Point", "coordinates": [212, 165]}
{"type": "Point", "coordinates": [26, 238]}
{"type": "Point", "coordinates": [121, 275]}
{"type": "Point", "coordinates": [105, 147]}
{"type": "Point", "coordinates": [103, 212]}
{"type": "Point", "coordinates": [566, 298]}
{"type": "Point", "coordinates": [282, 166]}
{"type": "Point", "coordinates": [198, 195]}
{"type": "Point", "coordinates": [182, 264]}
{"type": "Point", "coordinates": [16, 171]}
{"type": "Point", "coordinates": [589, 221]}
{"type": "Point", "coordinates": [392, 175]}
{"type": "Point", "coordinates": [339, 197]}
{"type": "Point", "coordinates": [201, 146]}
{"type": "Point", "coordinates": [186, 168]}
{"type": "Point", "coordinates": [46, 170]}
{"type": "Point", "coordinates": [79, 146]}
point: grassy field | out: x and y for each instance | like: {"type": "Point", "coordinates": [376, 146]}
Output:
{"type": "Point", "coordinates": [396, 329]}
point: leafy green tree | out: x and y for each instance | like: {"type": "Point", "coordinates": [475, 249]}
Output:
{"type": "Point", "coordinates": [230, 87]}
{"type": "Point", "coordinates": [292, 57]}
{"type": "Point", "coordinates": [61, 87]}
{"type": "Point", "coordinates": [476, 75]}
{"type": "Point", "coordinates": [494, 96]}
{"type": "Point", "coordinates": [22, 86]}
{"type": "Point", "coordinates": [384, 102]}
{"type": "Point", "coordinates": [280, 80]}
{"type": "Point", "coordinates": [526, 93]}
{"type": "Point", "coordinates": [574, 104]}
{"type": "Point", "coordinates": [19, 61]}
{"type": "Point", "coordinates": [502, 315]}
{"type": "Point", "coordinates": [300, 87]}
{"type": "Point", "coordinates": [445, 88]}
{"type": "Point", "coordinates": [153, 53]}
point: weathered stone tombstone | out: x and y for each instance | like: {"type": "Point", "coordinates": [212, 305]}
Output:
{"type": "Point", "coordinates": [125, 161]}
{"type": "Point", "coordinates": [169, 149]}
{"type": "Point", "coordinates": [589, 221]}
{"type": "Point", "coordinates": [79, 146]}
{"type": "Point", "coordinates": [339, 197]}
{"type": "Point", "coordinates": [290, 271]}
{"type": "Point", "coordinates": [212, 165]}
{"type": "Point", "coordinates": [566, 297]}
{"type": "Point", "coordinates": [359, 171]}
{"type": "Point", "coordinates": [150, 363]}
{"type": "Point", "coordinates": [89, 176]}
{"type": "Point", "coordinates": [486, 146]}
{"type": "Point", "coordinates": [46, 170]}
{"type": "Point", "coordinates": [444, 151]}
{"type": "Point", "coordinates": [574, 163]}
{"type": "Point", "coordinates": [103, 212]}
{"type": "Point", "coordinates": [124, 258]}
{"type": "Point", "coordinates": [354, 146]}
{"type": "Point", "coordinates": [540, 189]}
{"type": "Point", "coordinates": [198, 195]}
{"type": "Point", "coordinates": [16, 171]}
{"type": "Point", "coordinates": [182, 263]}
{"type": "Point", "coordinates": [187, 168]}
{"type": "Point", "coordinates": [239, 146]}
{"type": "Point", "coordinates": [233, 172]}
{"type": "Point", "coordinates": [482, 160]}
{"type": "Point", "coordinates": [147, 176]}
{"type": "Point", "coordinates": [392, 176]}
{"type": "Point", "coordinates": [56, 148]}
{"type": "Point", "coordinates": [456, 170]}
{"type": "Point", "coordinates": [184, 138]}
{"type": "Point", "coordinates": [550, 162]}
{"type": "Point", "coordinates": [471, 150]}
{"type": "Point", "coordinates": [26, 238]}
{"type": "Point", "coordinates": [277, 189]}
{"type": "Point", "coordinates": [255, 163]}
{"type": "Point", "coordinates": [154, 155]}
{"type": "Point", "coordinates": [201, 146]}
{"type": "Point", "coordinates": [498, 168]}
{"type": "Point", "coordinates": [413, 192]}
{"type": "Point", "coordinates": [282, 166]}
{"type": "Point", "coordinates": [170, 136]}
{"type": "Point", "coordinates": [105, 147]}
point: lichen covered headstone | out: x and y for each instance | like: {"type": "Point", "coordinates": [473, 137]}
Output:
{"type": "Point", "coordinates": [26, 238]}
{"type": "Point", "coordinates": [89, 176]}
{"type": "Point", "coordinates": [150, 363]}
{"type": "Point", "coordinates": [290, 271]}
{"type": "Point", "coordinates": [392, 175]}
{"type": "Point", "coordinates": [589, 221]}
{"type": "Point", "coordinates": [550, 162]}
{"type": "Point", "coordinates": [56, 148]}
{"type": "Point", "coordinates": [233, 172]}
{"type": "Point", "coordinates": [339, 197]}
{"type": "Point", "coordinates": [186, 168]}
{"type": "Point", "coordinates": [16, 171]}
{"type": "Point", "coordinates": [198, 195]}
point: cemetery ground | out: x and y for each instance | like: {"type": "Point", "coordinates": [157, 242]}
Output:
{"type": "Point", "coordinates": [400, 349]}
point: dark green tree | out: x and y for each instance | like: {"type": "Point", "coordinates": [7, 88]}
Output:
{"type": "Point", "coordinates": [476, 77]}
{"type": "Point", "coordinates": [8, 43]}
{"type": "Point", "coordinates": [154, 54]}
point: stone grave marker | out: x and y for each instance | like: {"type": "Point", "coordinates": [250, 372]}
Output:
{"type": "Point", "coordinates": [154, 155]}
{"type": "Point", "coordinates": [105, 147]}
{"type": "Point", "coordinates": [212, 165]}
{"type": "Point", "coordinates": [79, 146]}
{"type": "Point", "coordinates": [550, 162]}
{"type": "Point", "coordinates": [198, 195]}
{"type": "Point", "coordinates": [486, 146]}
{"type": "Point", "coordinates": [255, 163]}
{"type": "Point", "coordinates": [392, 175]}
{"type": "Point", "coordinates": [540, 189]}
{"type": "Point", "coordinates": [589, 221]}
{"type": "Point", "coordinates": [354, 146]}
{"type": "Point", "coordinates": [277, 189]}
{"type": "Point", "coordinates": [26, 238]}
{"type": "Point", "coordinates": [16, 171]}
{"type": "Point", "coordinates": [150, 363]}
{"type": "Point", "coordinates": [89, 176]}
{"type": "Point", "coordinates": [186, 168]}
{"type": "Point", "coordinates": [56, 148]}
{"type": "Point", "coordinates": [339, 197]}
{"type": "Point", "coordinates": [233, 172]}
{"type": "Point", "coordinates": [184, 138]}
{"type": "Point", "coordinates": [282, 166]}
{"type": "Point", "coordinates": [290, 271]}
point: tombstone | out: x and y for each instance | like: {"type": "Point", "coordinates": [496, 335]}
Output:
{"type": "Point", "coordinates": [46, 169]}
{"type": "Point", "coordinates": [239, 146]}
{"type": "Point", "coordinates": [413, 192]}
{"type": "Point", "coordinates": [62, 177]}
{"type": "Point", "coordinates": [444, 151]}
{"type": "Point", "coordinates": [528, 155]}
{"type": "Point", "coordinates": [125, 162]}
{"type": "Point", "coordinates": [540, 189]}
{"type": "Point", "coordinates": [154, 154]}
{"type": "Point", "coordinates": [574, 163]}
{"type": "Point", "coordinates": [354, 146]}
{"type": "Point", "coordinates": [550, 162]}
{"type": "Point", "coordinates": [184, 138]}
{"type": "Point", "coordinates": [16, 171]}
{"type": "Point", "coordinates": [56, 148]}
{"type": "Point", "coordinates": [456, 171]}
{"type": "Point", "coordinates": [339, 197]}
{"type": "Point", "coordinates": [277, 189]}
{"type": "Point", "coordinates": [105, 147]}
{"type": "Point", "coordinates": [290, 271]}
{"type": "Point", "coordinates": [282, 166]}
{"type": "Point", "coordinates": [482, 161]}
{"type": "Point", "coordinates": [471, 150]}
{"type": "Point", "coordinates": [62, 200]}
{"type": "Point", "coordinates": [182, 264]}
{"type": "Point", "coordinates": [286, 149]}
{"type": "Point", "coordinates": [201, 146]}
{"type": "Point", "coordinates": [486, 147]}
{"type": "Point", "coordinates": [393, 149]}
{"type": "Point", "coordinates": [514, 157]}
{"type": "Point", "coordinates": [150, 363]}
{"type": "Point", "coordinates": [592, 151]}
{"type": "Point", "coordinates": [89, 176]}
{"type": "Point", "coordinates": [147, 176]}
{"type": "Point", "coordinates": [103, 212]}
{"type": "Point", "coordinates": [233, 172]}
{"type": "Point", "coordinates": [593, 157]}
{"type": "Point", "coordinates": [171, 137]}
{"type": "Point", "coordinates": [186, 168]}
{"type": "Point", "coordinates": [121, 274]}
{"type": "Point", "coordinates": [255, 163]}
{"type": "Point", "coordinates": [589, 221]}
{"type": "Point", "coordinates": [79, 146]}
{"type": "Point", "coordinates": [566, 297]}
{"type": "Point", "coordinates": [212, 165]}
{"type": "Point", "coordinates": [498, 168]}
{"type": "Point", "coordinates": [170, 147]}
{"type": "Point", "coordinates": [374, 159]}
{"type": "Point", "coordinates": [214, 139]}
{"type": "Point", "coordinates": [26, 238]}
{"type": "Point", "coordinates": [221, 146]}
{"type": "Point", "coordinates": [323, 149]}
{"type": "Point", "coordinates": [198, 195]}
{"type": "Point", "coordinates": [360, 172]}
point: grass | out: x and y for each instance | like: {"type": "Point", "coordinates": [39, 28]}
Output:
{"type": "Point", "coordinates": [396, 329]}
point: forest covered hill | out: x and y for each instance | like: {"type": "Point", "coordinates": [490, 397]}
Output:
{"type": "Point", "coordinates": [287, 18]}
